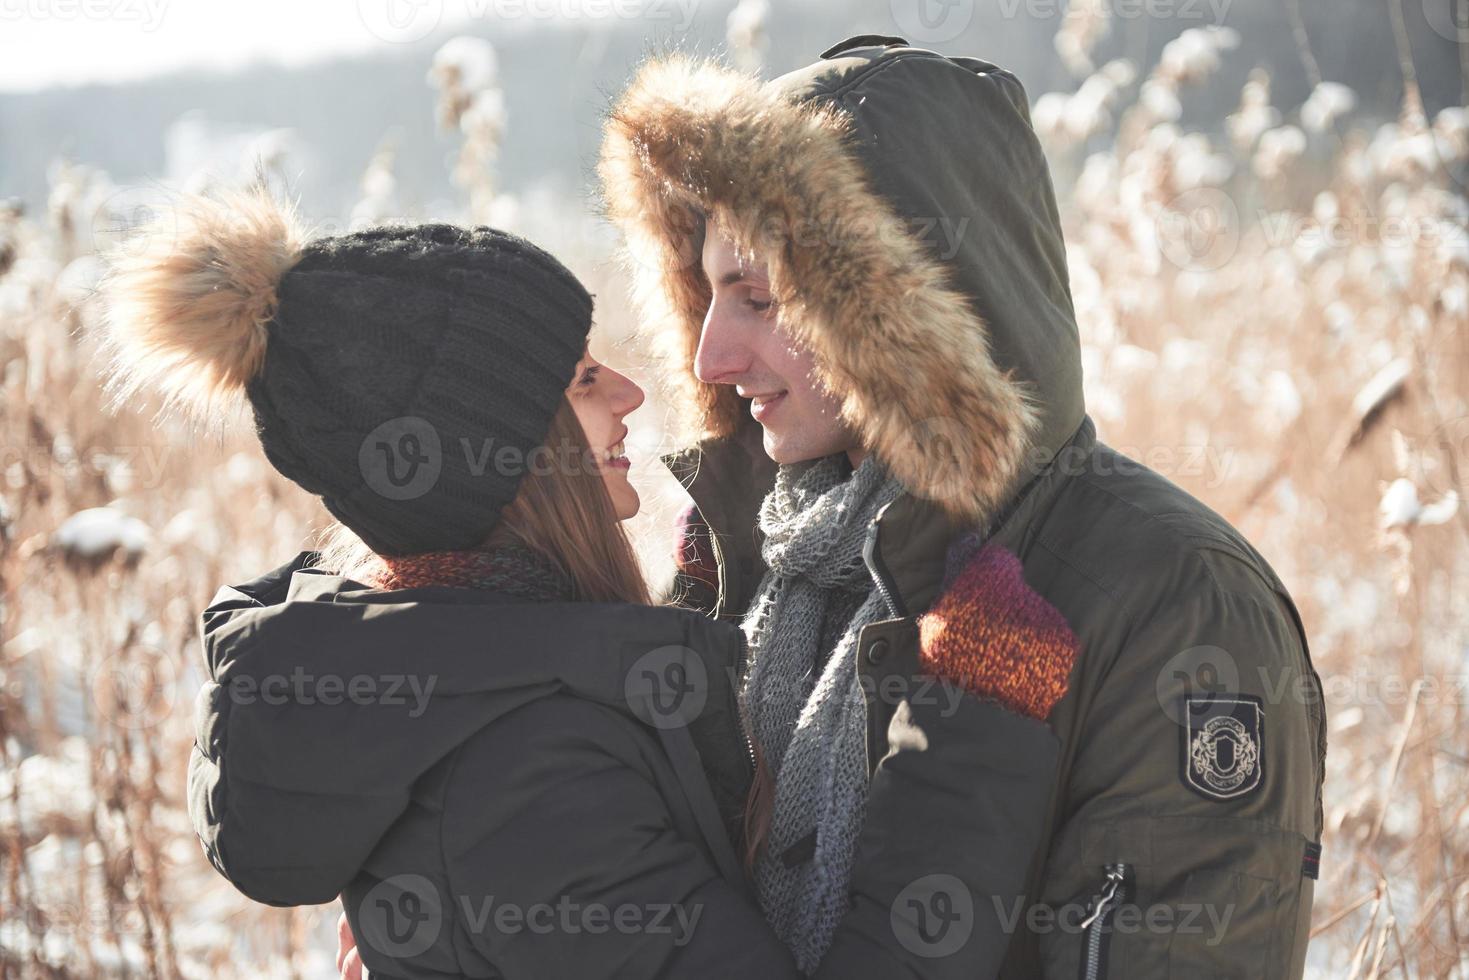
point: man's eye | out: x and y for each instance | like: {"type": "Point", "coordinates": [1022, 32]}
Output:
{"type": "Point", "coordinates": [759, 306]}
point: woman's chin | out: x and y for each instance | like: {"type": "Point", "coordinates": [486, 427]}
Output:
{"type": "Point", "coordinates": [625, 501]}
{"type": "Point", "coordinates": [629, 512]}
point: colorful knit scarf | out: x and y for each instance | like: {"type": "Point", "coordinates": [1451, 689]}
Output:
{"type": "Point", "coordinates": [508, 569]}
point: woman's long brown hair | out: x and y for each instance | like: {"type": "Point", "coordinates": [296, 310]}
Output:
{"type": "Point", "coordinates": [759, 805]}
{"type": "Point", "coordinates": [562, 510]}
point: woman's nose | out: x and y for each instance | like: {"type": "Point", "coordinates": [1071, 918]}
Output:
{"type": "Point", "coordinates": [630, 396]}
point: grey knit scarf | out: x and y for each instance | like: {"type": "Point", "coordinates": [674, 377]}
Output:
{"type": "Point", "coordinates": [802, 699]}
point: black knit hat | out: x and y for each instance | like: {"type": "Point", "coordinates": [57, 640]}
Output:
{"type": "Point", "coordinates": [404, 374]}
{"type": "Point", "coordinates": [402, 365]}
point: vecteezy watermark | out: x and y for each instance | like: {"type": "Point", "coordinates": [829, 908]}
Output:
{"type": "Point", "coordinates": [569, 918]}
{"type": "Point", "coordinates": [934, 916]}
{"type": "Point", "coordinates": [679, 14]}
{"type": "Point", "coordinates": [143, 467]}
{"type": "Point", "coordinates": [931, 21]}
{"type": "Point", "coordinates": [943, 235]}
{"type": "Point", "coordinates": [510, 460]}
{"type": "Point", "coordinates": [404, 915]}
{"type": "Point", "coordinates": [131, 218]}
{"type": "Point", "coordinates": [1199, 230]}
{"type": "Point", "coordinates": [148, 14]}
{"type": "Point", "coordinates": [919, 691]}
{"type": "Point", "coordinates": [1207, 670]}
{"type": "Point", "coordinates": [1449, 19]}
{"type": "Point", "coordinates": [302, 687]}
{"type": "Point", "coordinates": [1362, 688]}
{"type": "Point", "coordinates": [1450, 443]}
{"type": "Point", "coordinates": [1183, 919]}
{"type": "Point", "coordinates": [402, 458]}
{"type": "Point", "coordinates": [667, 687]}
{"type": "Point", "coordinates": [401, 916]}
{"type": "Point", "coordinates": [70, 921]}
{"type": "Point", "coordinates": [405, 457]}
{"type": "Point", "coordinates": [400, 21]}
{"type": "Point", "coordinates": [135, 690]}
{"type": "Point", "coordinates": [1211, 464]}
{"type": "Point", "coordinates": [767, 233]}
{"type": "Point", "coordinates": [945, 455]}
{"type": "Point", "coordinates": [1394, 231]}
{"type": "Point", "coordinates": [407, 21]}
{"type": "Point", "coordinates": [1202, 669]}
{"type": "Point", "coordinates": [1211, 11]}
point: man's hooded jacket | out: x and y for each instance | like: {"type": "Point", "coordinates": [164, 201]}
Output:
{"type": "Point", "coordinates": [904, 208]}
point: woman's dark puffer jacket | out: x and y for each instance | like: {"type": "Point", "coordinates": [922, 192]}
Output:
{"type": "Point", "coordinates": [501, 788]}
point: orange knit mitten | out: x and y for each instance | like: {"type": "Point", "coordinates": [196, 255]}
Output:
{"type": "Point", "coordinates": [995, 636]}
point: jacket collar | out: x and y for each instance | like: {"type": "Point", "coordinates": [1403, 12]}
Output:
{"type": "Point", "coordinates": [728, 478]}
{"type": "Point", "coordinates": [908, 543]}
{"type": "Point", "coordinates": [1016, 524]}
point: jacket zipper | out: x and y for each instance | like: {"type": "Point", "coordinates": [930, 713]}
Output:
{"type": "Point", "coordinates": [1095, 934]}
{"type": "Point", "coordinates": [739, 680]}
{"type": "Point", "coordinates": [879, 573]}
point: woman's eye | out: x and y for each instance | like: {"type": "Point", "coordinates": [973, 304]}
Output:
{"type": "Point", "coordinates": [590, 377]}
{"type": "Point", "coordinates": [759, 306]}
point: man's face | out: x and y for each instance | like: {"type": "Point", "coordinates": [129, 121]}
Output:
{"type": "Point", "coordinates": [743, 344]}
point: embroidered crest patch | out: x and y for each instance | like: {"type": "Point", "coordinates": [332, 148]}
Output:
{"type": "Point", "coordinates": [1223, 744]}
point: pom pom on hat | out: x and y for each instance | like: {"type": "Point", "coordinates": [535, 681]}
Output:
{"type": "Point", "coordinates": [189, 298]}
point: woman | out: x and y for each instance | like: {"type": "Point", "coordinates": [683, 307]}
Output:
{"type": "Point", "coordinates": [465, 718]}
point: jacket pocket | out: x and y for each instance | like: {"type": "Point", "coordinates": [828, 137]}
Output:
{"type": "Point", "coordinates": [1198, 899]}
{"type": "Point", "coordinates": [1225, 927]}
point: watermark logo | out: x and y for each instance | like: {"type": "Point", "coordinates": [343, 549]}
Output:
{"type": "Point", "coordinates": [944, 450]}
{"type": "Point", "coordinates": [932, 21]}
{"type": "Point", "coordinates": [127, 220]}
{"type": "Point", "coordinates": [411, 691]}
{"type": "Point", "coordinates": [1199, 670]}
{"type": "Point", "coordinates": [1199, 230]}
{"type": "Point", "coordinates": [934, 916]}
{"type": "Point", "coordinates": [135, 692]}
{"type": "Point", "coordinates": [148, 14]}
{"type": "Point", "coordinates": [400, 21]}
{"type": "Point", "coordinates": [1449, 19]}
{"type": "Point", "coordinates": [569, 917]}
{"type": "Point", "coordinates": [402, 458]}
{"type": "Point", "coordinates": [667, 687]}
{"type": "Point", "coordinates": [401, 916]}
{"type": "Point", "coordinates": [1450, 442]}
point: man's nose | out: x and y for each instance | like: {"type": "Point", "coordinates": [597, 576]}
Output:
{"type": "Point", "coordinates": [721, 357]}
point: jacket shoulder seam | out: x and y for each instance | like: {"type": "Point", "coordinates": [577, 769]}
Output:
{"type": "Point", "coordinates": [1111, 593]}
{"type": "Point", "coordinates": [1189, 545]}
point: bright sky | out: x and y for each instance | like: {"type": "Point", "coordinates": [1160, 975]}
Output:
{"type": "Point", "coordinates": [69, 42]}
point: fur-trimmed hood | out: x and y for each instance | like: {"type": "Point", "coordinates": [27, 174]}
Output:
{"type": "Point", "coordinates": [904, 208]}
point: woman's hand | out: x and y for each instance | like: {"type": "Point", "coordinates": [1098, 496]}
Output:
{"type": "Point", "coordinates": [349, 963]}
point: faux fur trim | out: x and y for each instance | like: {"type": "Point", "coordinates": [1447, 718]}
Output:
{"type": "Point", "coordinates": [189, 298]}
{"type": "Point", "coordinates": [907, 352]}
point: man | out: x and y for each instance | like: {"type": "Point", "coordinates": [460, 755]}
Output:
{"type": "Point", "coordinates": [861, 262]}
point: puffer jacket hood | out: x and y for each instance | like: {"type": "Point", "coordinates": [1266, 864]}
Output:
{"type": "Point", "coordinates": [904, 207]}
{"type": "Point", "coordinates": [327, 702]}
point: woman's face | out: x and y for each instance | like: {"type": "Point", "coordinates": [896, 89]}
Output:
{"type": "Point", "coordinates": [602, 398]}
